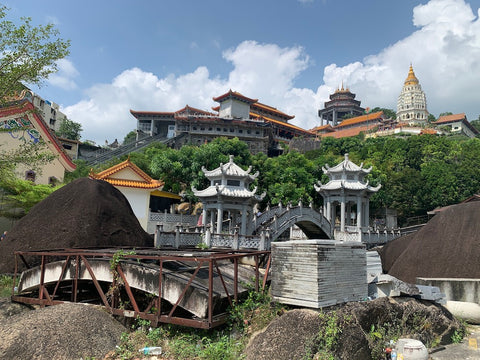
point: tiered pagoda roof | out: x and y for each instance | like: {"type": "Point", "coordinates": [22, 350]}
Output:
{"type": "Point", "coordinates": [229, 180]}
{"type": "Point", "coordinates": [346, 176]}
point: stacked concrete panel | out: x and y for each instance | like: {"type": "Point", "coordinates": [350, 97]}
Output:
{"type": "Point", "coordinates": [318, 273]}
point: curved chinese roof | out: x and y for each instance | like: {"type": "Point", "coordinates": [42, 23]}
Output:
{"type": "Point", "coordinates": [230, 170]}
{"type": "Point", "coordinates": [346, 166]}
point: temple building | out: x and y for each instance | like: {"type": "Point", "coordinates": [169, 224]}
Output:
{"type": "Point", "coordinates": [341, 104]}
{"type": "Point", "coordinates": [142, 192]}
{"type": "Point", "coordinates": [228, 197]}
{"type": "Point", "coordinates": [346, 198]}
{"type": "Point", "coordinates": [412, 102]}
{"type": "Point", "coordinates": [20, 123]}
{"type": "Point", "coordinates": [264, 128]}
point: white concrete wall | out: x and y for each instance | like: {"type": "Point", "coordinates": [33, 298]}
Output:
{"type": "Point", "coordinates": [139, 200]}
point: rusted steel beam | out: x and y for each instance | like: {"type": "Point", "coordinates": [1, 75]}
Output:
{"type": "Point", "coordinates": [210, 291]}
{"type": "Point", "coordinates": [95, 282]}
{"type": "Point", "coordinates": [199, 258]}
{"type": "Point", "coordinates": [267, 269]}
{"type": "Point", "coordinates": [64, 267]}
{"type": "Point", "coordinates": [35, 301]}
{"type": "Point", "coordinates": [235, 278]}
{"type": "Point", "coordinates": [127, 288]}
{"type": "Point", "coordinates": [186, 288]}
{"type": "Point", "coordinates": [223, 283]}
{"type": "Point", "coordinates": [75, 280]}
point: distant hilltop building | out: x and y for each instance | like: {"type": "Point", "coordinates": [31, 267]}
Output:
{"type": "Point", "coordinates": [341, 103]}
{"type": "Point", "coordinates": [412, 102]}
{"type": "Point", "coordinates": [262, 127]}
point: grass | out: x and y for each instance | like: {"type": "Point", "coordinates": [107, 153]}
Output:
{"type": "Point", "coordinates": [6, 285]}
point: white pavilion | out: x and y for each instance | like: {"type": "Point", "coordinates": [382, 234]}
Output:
{"type": "Point", "coordinates": [347, 188]}
{"type": "Point", "coordinates": [228, 197]}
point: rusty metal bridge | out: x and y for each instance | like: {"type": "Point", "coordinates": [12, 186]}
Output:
{"type": "Point", "coordinates": [189, 287]}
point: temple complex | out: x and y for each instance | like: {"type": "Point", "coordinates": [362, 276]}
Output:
{"type": "Point", "coordinates": [347, 187]}
{"type": "Point", "coordinates": [412, 102]}
{"type": "Point", "coordinates": [262, 127]}
{"type": "Point", "coordinates": [341, 103]}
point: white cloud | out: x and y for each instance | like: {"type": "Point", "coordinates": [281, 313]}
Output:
{"type": "Point", "coordinates": [63, 78]}
{"type": "Point", "coordinates": [444, 51]}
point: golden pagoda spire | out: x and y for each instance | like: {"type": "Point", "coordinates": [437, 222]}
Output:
{"type": "Point", "coordinates": [411, 78]}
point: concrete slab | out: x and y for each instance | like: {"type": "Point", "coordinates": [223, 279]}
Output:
{"type": "Point", "coordinates": [468, 349]}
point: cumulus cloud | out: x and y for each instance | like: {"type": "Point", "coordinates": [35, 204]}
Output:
{"type": "Point", "coordinates": [64, 77]}
{"type": "Point", "coordinates": [444, 51]}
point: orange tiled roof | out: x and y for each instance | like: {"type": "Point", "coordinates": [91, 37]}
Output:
{"type": "Point", "coordinates": [347, 132]}
{"type": "Point", "coordinates": [450, 118]}
{"type": "Point", "coordinates": [326, 127]}
{"type": "Point", "coordinates": [284, 124]}
{"type": "Point", "coordinates": [360, 119]}
{"type": "Point", "coordinates": [147, 183]}
{"type": "Point", "coordinates": [273, 110]}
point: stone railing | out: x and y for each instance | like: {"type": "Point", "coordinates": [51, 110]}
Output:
{"type": "Point", "coordinates": [179, 238]}
{"type": "Point", "coordinates": [169, 221]}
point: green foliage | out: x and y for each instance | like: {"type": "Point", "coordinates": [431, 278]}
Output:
{"type": "Point", "coordinates": [82, 170]}
{"type": "Point", "coordinates": [6, 285]}
{"type": "Point", "coordinates": [19, 196]}
{"type": "Point", "coordinates": [130, 137]}
{"type": "Point", "coordinates": [70, 130]}
{"type": "Point", "coordinates": [28, 54]}
{"type": "Point", "coordinates": [389, 113]}
{"type": "Point", "coordinates": [324, 344]}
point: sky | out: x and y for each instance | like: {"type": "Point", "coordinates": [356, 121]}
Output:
{"type": "Point", "coordinates": [160, 55]}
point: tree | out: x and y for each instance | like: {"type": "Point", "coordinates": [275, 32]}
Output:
{"type": "Point", "coordinates": [389, 113]}
{"type": "Point", "coordinates": [70, 130]}
{"type": "Point", "coordinates": [130, 137]}
{"type": "Point", "coordinates": [28, 54]}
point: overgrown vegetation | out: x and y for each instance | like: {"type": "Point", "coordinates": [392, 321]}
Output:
{"type": "Point", "coordinates": [227, 342]}
{"type": "Point", "coordinates": [6, 285]}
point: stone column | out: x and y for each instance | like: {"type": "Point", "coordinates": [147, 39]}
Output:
{"type": "Point", "coordinates": [243, 230]}
{"type": "Point", "coordinates": [342, 214]}
{"type": "Point", "coordinates": [367, 213]}
{"type": "Point", "coordinates": [219, 220]}
{"type": "Point", "coordinates": [359, 214]}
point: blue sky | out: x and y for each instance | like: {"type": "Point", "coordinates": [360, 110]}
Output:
{"type": "Point", "coordinates": [290, 54]}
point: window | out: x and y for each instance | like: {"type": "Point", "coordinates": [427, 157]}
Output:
{"type": "Point", "coordinates": [217, 182]}
{"type": "Point", "coordinates": [233, 182]}
{"type": "Point", "coordinates": [30, 175]}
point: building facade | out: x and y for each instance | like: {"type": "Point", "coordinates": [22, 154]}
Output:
{"type": "Point", "coordinates": [262, 127]}
{"type": "Point", "coordinates": [22, 124]}
{"type": "Point", "coordinates": [412, 102]}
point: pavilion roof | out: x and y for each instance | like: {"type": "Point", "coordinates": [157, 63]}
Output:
{"type": "Point", "coordinates": [230, 169]}
{"type": "Point", "coordinates": [345, 166]}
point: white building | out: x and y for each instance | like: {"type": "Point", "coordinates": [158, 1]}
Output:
{"type": "Point", "coordinates": [412, 102]}
{"type": "Point", "coordinates": [457, 124]}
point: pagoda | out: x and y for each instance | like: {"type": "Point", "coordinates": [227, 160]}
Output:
{"type": "Point", "coordinates": [412, 102]}
{"type": "Point", "coordinates": [228, 196]}
{"type": "Point", "coordinates": [347, 187]}
{"type": "Point", "coordinates": [341, 103]}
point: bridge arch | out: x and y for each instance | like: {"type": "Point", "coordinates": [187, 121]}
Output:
{"type": "Point", "coordinates": [278, 219]}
